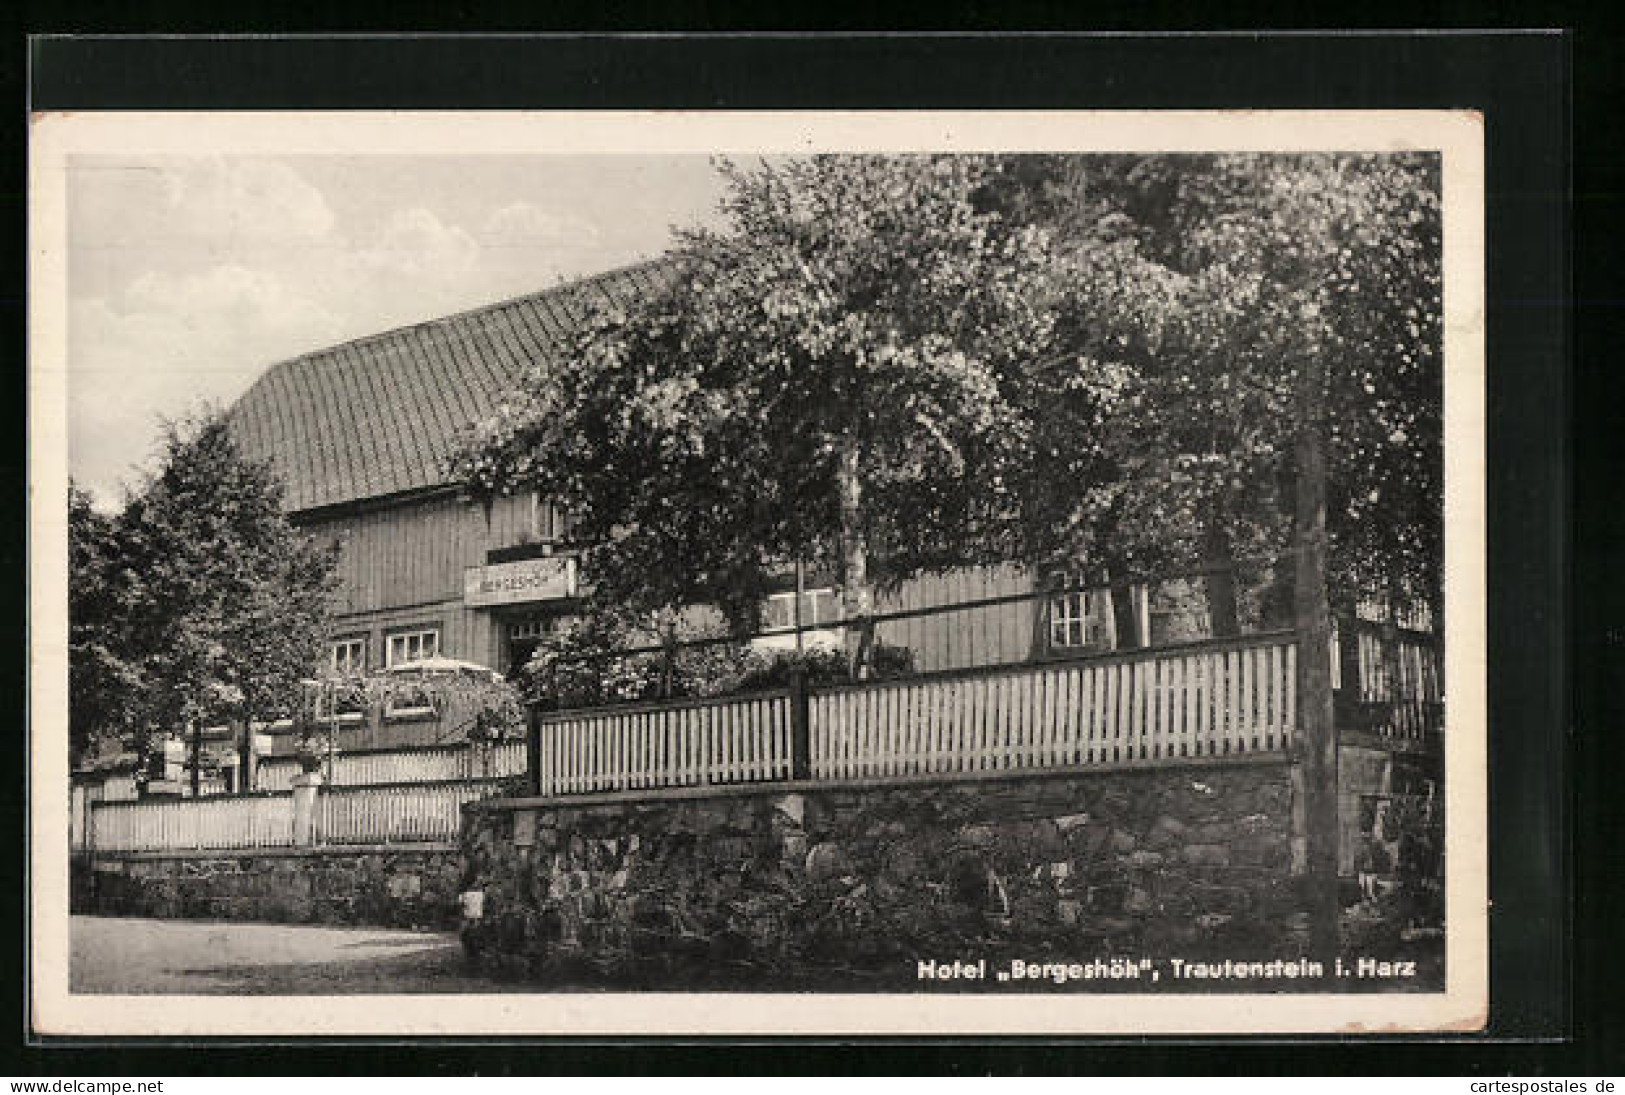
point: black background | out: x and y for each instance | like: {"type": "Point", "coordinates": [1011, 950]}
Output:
{"type": "Point", "coordinates": [1552, 1011]}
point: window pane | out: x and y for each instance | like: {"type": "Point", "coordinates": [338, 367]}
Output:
{"type": "Point", "coordinates": [775, 612]}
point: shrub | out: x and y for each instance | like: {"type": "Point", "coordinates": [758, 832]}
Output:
{"type": "Point", "coordinates": [582, 668]}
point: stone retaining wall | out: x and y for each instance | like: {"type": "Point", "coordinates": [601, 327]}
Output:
{"type": "Point", "coordinates": [812, 885]}
{"type": "Point", "coordinates": [405, 886]}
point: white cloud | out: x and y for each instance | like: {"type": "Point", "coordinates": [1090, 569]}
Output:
{"type": "Point", "coordinates": [167, 345]}
{"type": "Point", "coordinates": [416, 243]}
{"type": "Point", "coordinates": [218, 203]}
{"type": "Point", "coordinates": [229, 298]}
{"type": "Point", "coordinates": [249, 199]}
{"type": "Point", "coordinates": [522, 224]}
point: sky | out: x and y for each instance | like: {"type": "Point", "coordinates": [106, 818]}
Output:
{"type": "Point", "coordinates": [188, 277]}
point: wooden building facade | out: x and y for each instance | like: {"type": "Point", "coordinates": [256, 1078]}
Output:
{"type": "Point", "coordinates": [363, 432]}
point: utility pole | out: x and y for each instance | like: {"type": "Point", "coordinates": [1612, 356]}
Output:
{"type": "Point", "coordinates": [1317, 730]}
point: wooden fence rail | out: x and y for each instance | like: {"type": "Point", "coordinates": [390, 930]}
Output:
{"type": "Point", "coordinates": [401, 813]}
{"type": "Point", "coordinates": [1205, 699]}
{"type": "Point", "coordinates": [434, 764]}
{"type": "Point", "coordinates": [727, 740]}
{"type": "Point", "coordinates": [1219, 699]}
{"type": "Point", "coordinates": [235, 821]}
{"type": "Point", "coordinates": [1389, 681]}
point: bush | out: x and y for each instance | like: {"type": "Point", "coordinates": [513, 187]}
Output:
{"type": "Point", "coordinates": [582, 669]}
{"type": "Point", "coordinates": [822, 665]}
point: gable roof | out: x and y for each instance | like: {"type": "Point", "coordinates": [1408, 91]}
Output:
{"type": "Point", "coordinates": [381, 415]}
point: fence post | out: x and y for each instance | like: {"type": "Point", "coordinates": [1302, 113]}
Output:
{"type": "Point", "coordinates": [533, 749]}
{"type": "Point", "coordinates": [800, 739]}
{"type": "Point", "coordinates": [78, 814]}
{"type": "Point", "coordinates": [306, 786]}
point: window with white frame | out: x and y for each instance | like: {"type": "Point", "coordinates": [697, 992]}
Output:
{"type": "Point", "coordinates": [348, 657]}
{"type": "Point", "coordinates": [818, 606]}
{"type": "Point", "coordinates": [546, 522]}
{"type": "Point", "coordinates": [411, 646]}
{"type": "Point", "coordinates": [1077, 620]}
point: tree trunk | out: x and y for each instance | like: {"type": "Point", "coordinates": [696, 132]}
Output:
{"type": "Point", "coordinates": [857, 599]}
{"type": "Point", "coordinates": [247, 759]}
{"type": "Point", "coordinates": [1317, 731]}
{"type": "Point", "coordinates": [197, 758]}
{"type": "Point", "coordinates": [1041, 607]}
{"type": "Point", "coordinates": [1125, 609]}
{"type": "Point", "coordinates": [1220, 580]}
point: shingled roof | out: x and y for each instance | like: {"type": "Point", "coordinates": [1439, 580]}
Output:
{"type": "Point", "coordinates": [380, 415]}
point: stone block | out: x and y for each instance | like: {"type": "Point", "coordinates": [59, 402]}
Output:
{"type": "Point", "coordinates": [904, 864]}
{"type": "Point", "coordinates": [1089, 841]}
{"type": "Point", "coordinates": [827, 860]}
{"type": "Point", "coordinates": [978, 836]}
{"type": "Point", "coordinates": [1206, 855]}
{"type": "Point", "coordinates": [1166, 832]}
{"type": "Point", "coordinates": [1043, 841]}
{"type": "Point", "coordinates": [1068, 822]}
{"type": "Point", "coordinates": [405, 886]}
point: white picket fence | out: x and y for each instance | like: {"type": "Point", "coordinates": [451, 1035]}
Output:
{"type": "Point", "coordinates": [1395, 680]}
{"type": "Point", "coordinates": [728, 740]}
{"type": "Point", "coordinates": [433, 764]}
{"type": "Point", "coordinates": [1211, 701]}
{"type": "Point", "coordinates": [232, 821]}
{"type": "Point", "coordinates": [400, 813]}
{"type": "Point", "coordinates": [396, 814]}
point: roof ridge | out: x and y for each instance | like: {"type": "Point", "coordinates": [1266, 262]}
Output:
{"type": "Point", "coordinates": [613, 274]}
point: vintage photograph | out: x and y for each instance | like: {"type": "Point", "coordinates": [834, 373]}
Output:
{"type": "Point", "coordinates": [1005, 573]}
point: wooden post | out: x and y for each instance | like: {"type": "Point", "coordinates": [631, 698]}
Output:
{"type": "Point", "coordinates": [1312, 622]}
{"type": "Point", "coordinates": [1042, 607]}
{"type": "Point", "coordinates": [248, 761]}
{"type": "Point", "coordinates": [533, 748]}
{"type": "Point", "coordinates": [77, 812]}
{"type": "Point", "coordinates": [197, 759]}
{"type": "Point", "coordinates": [863, 660]}
{"type": "Point", "coordinates": [668, 672]}
{"type": "Point", "coordinates": [801, 592]}
{"type": "Point", "coordinates": [306, 791]}
{"type": "Point", "coordinates": [1125, 606]}
{"type": "Point", "coordinates": [800, 723]}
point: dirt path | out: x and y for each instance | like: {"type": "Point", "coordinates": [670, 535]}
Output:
{"type": "Point", "coordinates": [128, 955]}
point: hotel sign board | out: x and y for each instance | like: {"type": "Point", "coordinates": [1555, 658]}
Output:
{"type": "Point", "coordinates": [521, 582]}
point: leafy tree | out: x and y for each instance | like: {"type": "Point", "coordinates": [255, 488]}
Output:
{"type": "Point", "coordinates": [1193, 290]}
{"type": "Point", "coordinates": [1275, 322]}
{"type": "Point", "coordinates": [101, 678]}
{"type": "Point", "coordinates": [223, 604]}
{"type": "Point", "coordinates": [832, 375]}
